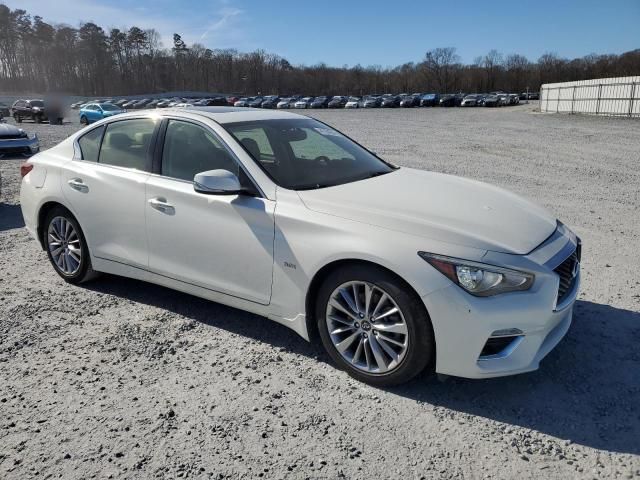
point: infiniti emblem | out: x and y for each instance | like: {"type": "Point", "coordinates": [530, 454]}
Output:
{"type": "Point", "coordinates": [366, 326]}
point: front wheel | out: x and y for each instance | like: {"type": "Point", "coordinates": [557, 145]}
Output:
{"type": "Point", "coordinates": [66, 246]}
{"type": "Point", "coordinates": [17, 118]}
{"type": "Point", "coordinates": [83, 120]}
{"type": "Point", "coordinates": [374, 326]}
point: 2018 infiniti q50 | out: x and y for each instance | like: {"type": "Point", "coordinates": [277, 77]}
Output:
{"type": "Point", "coordinates": [393, 269]}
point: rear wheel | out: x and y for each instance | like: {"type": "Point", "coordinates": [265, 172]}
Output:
{"type": "Point", "coordinates": [374, 326]}
{"type": "Point", "coordinates": [17, 118]}
{"type": "Point", "coordinates": [66, 246]}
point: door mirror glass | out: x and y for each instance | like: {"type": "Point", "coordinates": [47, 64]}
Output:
{"type": "Point", "coordinates": [217, 182]}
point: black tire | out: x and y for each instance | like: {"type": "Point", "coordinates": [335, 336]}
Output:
{"type": "Point", "coordinates": [420, 351]}
{"type": "Point", "coordinates": [83, 120]}
{"type": "Point", "coordinates": [17, 118]}
{"type": "Point", "coordinates": [85, 271]}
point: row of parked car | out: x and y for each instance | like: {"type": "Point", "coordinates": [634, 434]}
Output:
{"type": "Point", "coordinates": [138, 103]}
{"type": "Point", "coordinates": [493, 99]}
{"type": "Point", "coordinates": [101, 108]}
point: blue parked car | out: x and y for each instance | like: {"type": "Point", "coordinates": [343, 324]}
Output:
{"type": "Point", "coordinates": [429, 100]}
{"type": "Point", "coordinates": [92, 112]}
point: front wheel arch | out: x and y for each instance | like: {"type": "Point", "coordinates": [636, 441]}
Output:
{"type": "Point", "coordinates": [322, 274]}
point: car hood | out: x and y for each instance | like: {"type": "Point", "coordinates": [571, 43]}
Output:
{"type": "Point", "coordinates": [441, 207]}
{"type": "Point", "coordinates": [9, 132]}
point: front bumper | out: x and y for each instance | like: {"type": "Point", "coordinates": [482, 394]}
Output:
{"type": "Point", "coordinates": [535, 323]}
{"type": "Point", "coordinates": [19, 146]}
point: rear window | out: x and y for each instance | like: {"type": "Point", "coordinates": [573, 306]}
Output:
{"type": "Point", "coordinates": [126, 144]}
{"type": "Point", "coordinates": [90, 144]}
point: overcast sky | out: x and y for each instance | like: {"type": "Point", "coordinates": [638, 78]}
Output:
{"type": "Point", "coordinates": [368, 32]}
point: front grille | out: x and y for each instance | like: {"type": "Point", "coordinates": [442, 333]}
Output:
{"type": "Point", "coordinates": [14, 150]}
{"type": "Point", "coordinates": [567, 271]}
{"type": "Point", "coordinates": [13, 136]}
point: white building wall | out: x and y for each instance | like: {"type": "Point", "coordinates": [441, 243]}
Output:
{"type": "Point", "coordinates": [602, 96]}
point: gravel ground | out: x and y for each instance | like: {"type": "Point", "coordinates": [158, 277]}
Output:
{"type": "Point", "coordinates": [122, 379]}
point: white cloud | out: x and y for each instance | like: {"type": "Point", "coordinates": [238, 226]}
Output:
{"type": "Point", "coordinates": [217, 25]}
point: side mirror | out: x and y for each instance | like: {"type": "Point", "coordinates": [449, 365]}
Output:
{"type": "Point", "coordinates": [217, 182]}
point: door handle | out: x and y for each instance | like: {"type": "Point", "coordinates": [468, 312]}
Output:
{"type": "Point", "coordinates": [77, 184]}
{"type": "Point", "coordinates": [161, 205]}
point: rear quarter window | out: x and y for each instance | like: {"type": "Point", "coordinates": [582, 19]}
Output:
{"type": "Point", "coordinates": [90, 144]}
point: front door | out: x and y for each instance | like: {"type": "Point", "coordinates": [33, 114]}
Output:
{"type": "Point", "coordinates": [219, 242]}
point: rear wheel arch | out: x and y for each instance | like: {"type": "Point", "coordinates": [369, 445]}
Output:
{"type": "Point", "coordinates": [42, 215]}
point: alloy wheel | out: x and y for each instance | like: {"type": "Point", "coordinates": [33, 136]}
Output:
{"type": "Point", "coordinates": [367, 327]}
{"type": "Point", "coordinates": [64, 245]}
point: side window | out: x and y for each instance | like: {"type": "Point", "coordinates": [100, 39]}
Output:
{"type": "Point", "coordinates": [126, 143]}
{"type": "Point", "coordinates": [256, 142]}
{"type": "Point", "coordinates": [318, 144]}
{"type": "Point", "coordinates": [190, 149]}
{"type": "Point", "coordinates": [90, 144]}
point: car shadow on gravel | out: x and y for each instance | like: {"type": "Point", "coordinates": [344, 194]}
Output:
{"type": "Point", "coordinates": [208, 313]}
{"type": "Point", "coordinates": [587, 390]}
{"type": "Point", "coordinates": [10, 217]}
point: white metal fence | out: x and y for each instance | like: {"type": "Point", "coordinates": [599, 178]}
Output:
{"type": "Point", "coordinates": [603, 96]}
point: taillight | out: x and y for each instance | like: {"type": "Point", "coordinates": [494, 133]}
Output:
{"type": "Point", "coordinates": [25, 168]}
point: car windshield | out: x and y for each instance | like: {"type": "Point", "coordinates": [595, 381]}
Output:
{"type": "Point", "coordinates": [304, 154]}
{"type": "Point", "coordinates": [109, 107]}
{"type": "Point", "coordinates": [353, 99]}
{"type": "Point", "coordinates": [37, 103]}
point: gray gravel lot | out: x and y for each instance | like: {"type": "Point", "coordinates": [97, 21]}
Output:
{"type": "Point", "coordinates": [122, 379]}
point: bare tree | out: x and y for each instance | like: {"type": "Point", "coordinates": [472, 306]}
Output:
{"type": "Point", "coordinates": [440, 65]}
{"type": "Point", "coordinates": [38, 56]}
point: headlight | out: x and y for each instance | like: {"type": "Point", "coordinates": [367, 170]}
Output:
{"type": "Point", "coordinates": [479, 279]}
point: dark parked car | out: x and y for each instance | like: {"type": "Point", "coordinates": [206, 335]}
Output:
{"type": "Point", "coordinates": [271, 101]}
{"type": "Point", "coordinates": [410, 101]}
{"type": "Point", "coordinates": [141, 103]}
{"type": "Point", "coordinates": [255, 102]}
{"type": "Point", "coordinates": [34, 110]}
{"type": "Point", "coordinates": [372, 101]}
{"type": "Point", "coordinates": [320, 102]}
{"type": "Point", "coordinates": [391, 101]}
{"type": "Point", "coordinates": [471, 100]}
{"type": "Point", "coordinates": [530, 96]}
{"type": "Point", "coordinates": [429, 100]}
{"type": "Point", "coordinates": [337, 102]}
{"type": "Point", "coordinates": [5, 111]}
{"type": "Point", "coordinates": [447, 101]}
{"type": "Point", "coordinates": [490, 101]}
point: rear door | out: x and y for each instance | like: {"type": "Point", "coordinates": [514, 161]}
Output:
{"type": "Point", "coordinates": [219, 242]}
{"type": "Point", "coordinates": [105, 185]}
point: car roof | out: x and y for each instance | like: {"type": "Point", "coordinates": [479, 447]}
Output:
{"type": "Point", "coordinates": [223, 114]}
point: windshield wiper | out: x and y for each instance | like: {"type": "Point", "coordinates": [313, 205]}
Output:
{"type": "Point", "coordinates": [312, 186]}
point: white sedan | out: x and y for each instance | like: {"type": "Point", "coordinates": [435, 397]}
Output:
{"type": "Point", "coordinates": [393, 269]}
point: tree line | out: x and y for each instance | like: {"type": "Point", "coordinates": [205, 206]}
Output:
{"type": "Point", "coordinates": [37, 56]}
